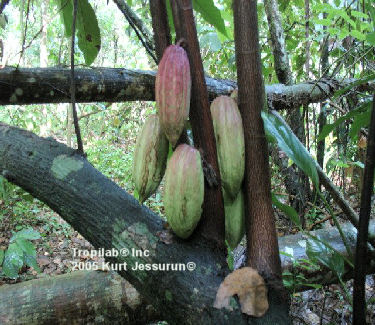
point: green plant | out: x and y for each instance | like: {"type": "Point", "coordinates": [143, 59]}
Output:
{"type": "Point", "coordinates": [20, 252]}
{"type": "Point", "coordinates": [293, 279]}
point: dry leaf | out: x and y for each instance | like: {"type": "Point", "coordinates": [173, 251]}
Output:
{"type": "Point", "coordinates": [250, 288]}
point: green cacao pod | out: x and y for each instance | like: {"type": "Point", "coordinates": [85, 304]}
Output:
{"type": "Point", "coordinates": [150, 158]}
{"type": "Point", "coordinates": [230, 143]}
{"type": "Point", "coordinates": [234, 219]}
{"type": "Point", "coordinates": [184, 190]}
{"type": "Point", "coordinates": [172, 91]}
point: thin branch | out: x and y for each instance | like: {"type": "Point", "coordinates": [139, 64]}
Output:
{"type": "Point", "coordinates": [3, 5]}
{"type": "Point", "coordinates": [139, 28]}
{"type": "Point", "coordinates": [359, 299]}
{"type": "Point", "coordinates": [72, 81]}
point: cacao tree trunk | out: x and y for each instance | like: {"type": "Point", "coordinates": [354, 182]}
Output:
{"type": "Point", "coordinates": [262, 245]}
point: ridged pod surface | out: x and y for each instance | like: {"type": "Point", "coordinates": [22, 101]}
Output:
{"type": "Point", "coordinates": [150, 158]}
{"type": "Point", "coordinates": [230, 143]}
{"type": "Point", "coordinates": [184, 190]}
{"type": "Point", "coordinates": [234, 219]}
{"type": "Point", "coordinates": [172, 91]}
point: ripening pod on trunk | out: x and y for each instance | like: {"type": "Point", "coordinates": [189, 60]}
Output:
{"type": "Point", "coordinates": [150, 158]}
{"type": "Point", "coordinates": [234, 219]}
{"type": "Point", "coordinates": [230, 143]}
{"type": "Point", "coordinates": [184, 190]}
{"type": "Point", "coordinates": [172, 91]}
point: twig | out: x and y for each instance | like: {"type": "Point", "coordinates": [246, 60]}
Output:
{"type": "Point", "coordinates": [359, 302]}
{"type": "Point", "coordinates": [72, 82]}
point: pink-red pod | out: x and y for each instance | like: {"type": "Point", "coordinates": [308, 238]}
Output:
{"type": "Point", "coordinates": [184, 190]}
{"type": "Point", "coordinates": [230, 143]}
{"type": "Point", "coordinates": [172, 91]}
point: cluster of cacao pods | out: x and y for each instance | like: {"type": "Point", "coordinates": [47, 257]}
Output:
{"type": "Point", "coordinates": [184, 180]}
{"type": "Point", "coordinates": [230, 146]}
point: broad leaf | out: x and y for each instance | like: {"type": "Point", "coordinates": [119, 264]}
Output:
{"type": "Point", "coordinates": [290, 144]}
{"type": "Point", "coordinates": [288, 210]}
{"type": "Point", "coordinates": [13, 261]}
{"type": "Point", "coordinates": [353, 85]}
{"type": "Point", "coordinates": [329, 127]}
{"type": "Point", "coordinates": [87, 28]}
{"type": "Point", "coordinates": [360, 121]}
{"type": "Point", "coordinates": [66, 14]}
{"type": "Point", "coordinates": [28, 233]}
{"type": "Point", "coordinates": [211, 14]}
{"type": "Point", "coordinates": [317, 251]}
{"type": "Point", "coordinates": [88, 31]}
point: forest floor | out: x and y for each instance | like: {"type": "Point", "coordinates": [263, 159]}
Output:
{"type": "Point", "coordinates": [326, 305]}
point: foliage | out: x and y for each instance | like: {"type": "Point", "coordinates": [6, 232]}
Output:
{"type": "Point", "coordinates": [20, 252]}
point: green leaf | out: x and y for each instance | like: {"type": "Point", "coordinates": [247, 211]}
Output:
{"type": "Point", "coordinates": [370, 37]}
{"type": "Point", "coordinates": [1, 256]}
{"type": "Point", "coordinates": [31, 261]}
{"type": "Point", "coordinates": [288, 210]}
{"type": "Point", "coordinates": [329, 127]}
{"type": "Point", "coordinates": [88, 31]}
{"type": "Point", "coordinates": [290, 144]}
{"type": "Point", "coordinates": [26, 246]}
{"type": "Point", "coordinates": [324, 22]}
{"type": "Point", "coordinates": [66, 14]}
{"type": "Point", "coordinates": [28, 233]}
{"type": "Point", "coordinates": [358, 35]}
{"type": "Point", "coordinates": [211, 14]}
{"type": "Point", "coordinates": [353, 85]}
{"type": "Point", "coordinates": [359, 14]}
{"type": "Point", "coordinates": [360, 121]}
{"type": "Point", "coordinates": [170, 17]}
{"type": "Point", "coordinates": [13, 261]}
{"type": "Point", "coordinates": [317, 251]}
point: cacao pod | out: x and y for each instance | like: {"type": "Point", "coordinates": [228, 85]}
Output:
{"type": "Point", "coordinates": [150, 157]}
{"type": "Point", "coordinates": [172, 91]}
{"type": "Point", "coordinates": [230, 143]}
{"type": "Point", "coordinates": [184, 190]}
{"type": "Point", "coordinates": [234, 219]}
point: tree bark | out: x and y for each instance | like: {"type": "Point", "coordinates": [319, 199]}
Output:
{"type": "Point", "coordinates": [359, 292]}
{"type": "Point", "coordinates": [162, 35]}
{"type": "Point", "coordinates": [296, 183]}
{"type": "Point", "coordinates": [83, 297]}
{"type": "Point", "coordinates": [116, 301]}
{"type": "Point", "coordinates": [51, 85]}
{"type": "Point", "coordinates": [211, 225]}
{"type": "Point", "coordinates": [262, 245]}
{"type": "Point", "coordinates": [108, 217]}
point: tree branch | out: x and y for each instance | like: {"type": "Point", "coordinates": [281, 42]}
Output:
{"type": "Point", "coordinates": [138, 26]}
{"type": "Point", "coordinates": [51, 85]}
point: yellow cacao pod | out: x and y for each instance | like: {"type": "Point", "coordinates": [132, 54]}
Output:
{"type": "Point", "coordinates": [234, 219]}
{"type": "Point", "coordinates": [172, 91]}
{"type": "Point", "coordinates": [230, 143]}
{"type": "Point", "coordinates": [150, 157]}
{"type": "Point", "coordinates": [184, 190]}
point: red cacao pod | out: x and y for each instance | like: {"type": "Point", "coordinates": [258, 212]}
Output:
{"type": "Point", "coordinates": [230, 143]}
{"type": "Point", "coordinates": [184, 190]}
{"type": "Point", "coordinates": [172, 91]}
{"type": "Point", "coordinates": [150, 158]}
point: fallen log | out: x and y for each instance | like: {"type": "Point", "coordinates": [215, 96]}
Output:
{"type": "Point", "coordinates": [51, 85]}
{"type": "Point", "coordinates": [83, 297]}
